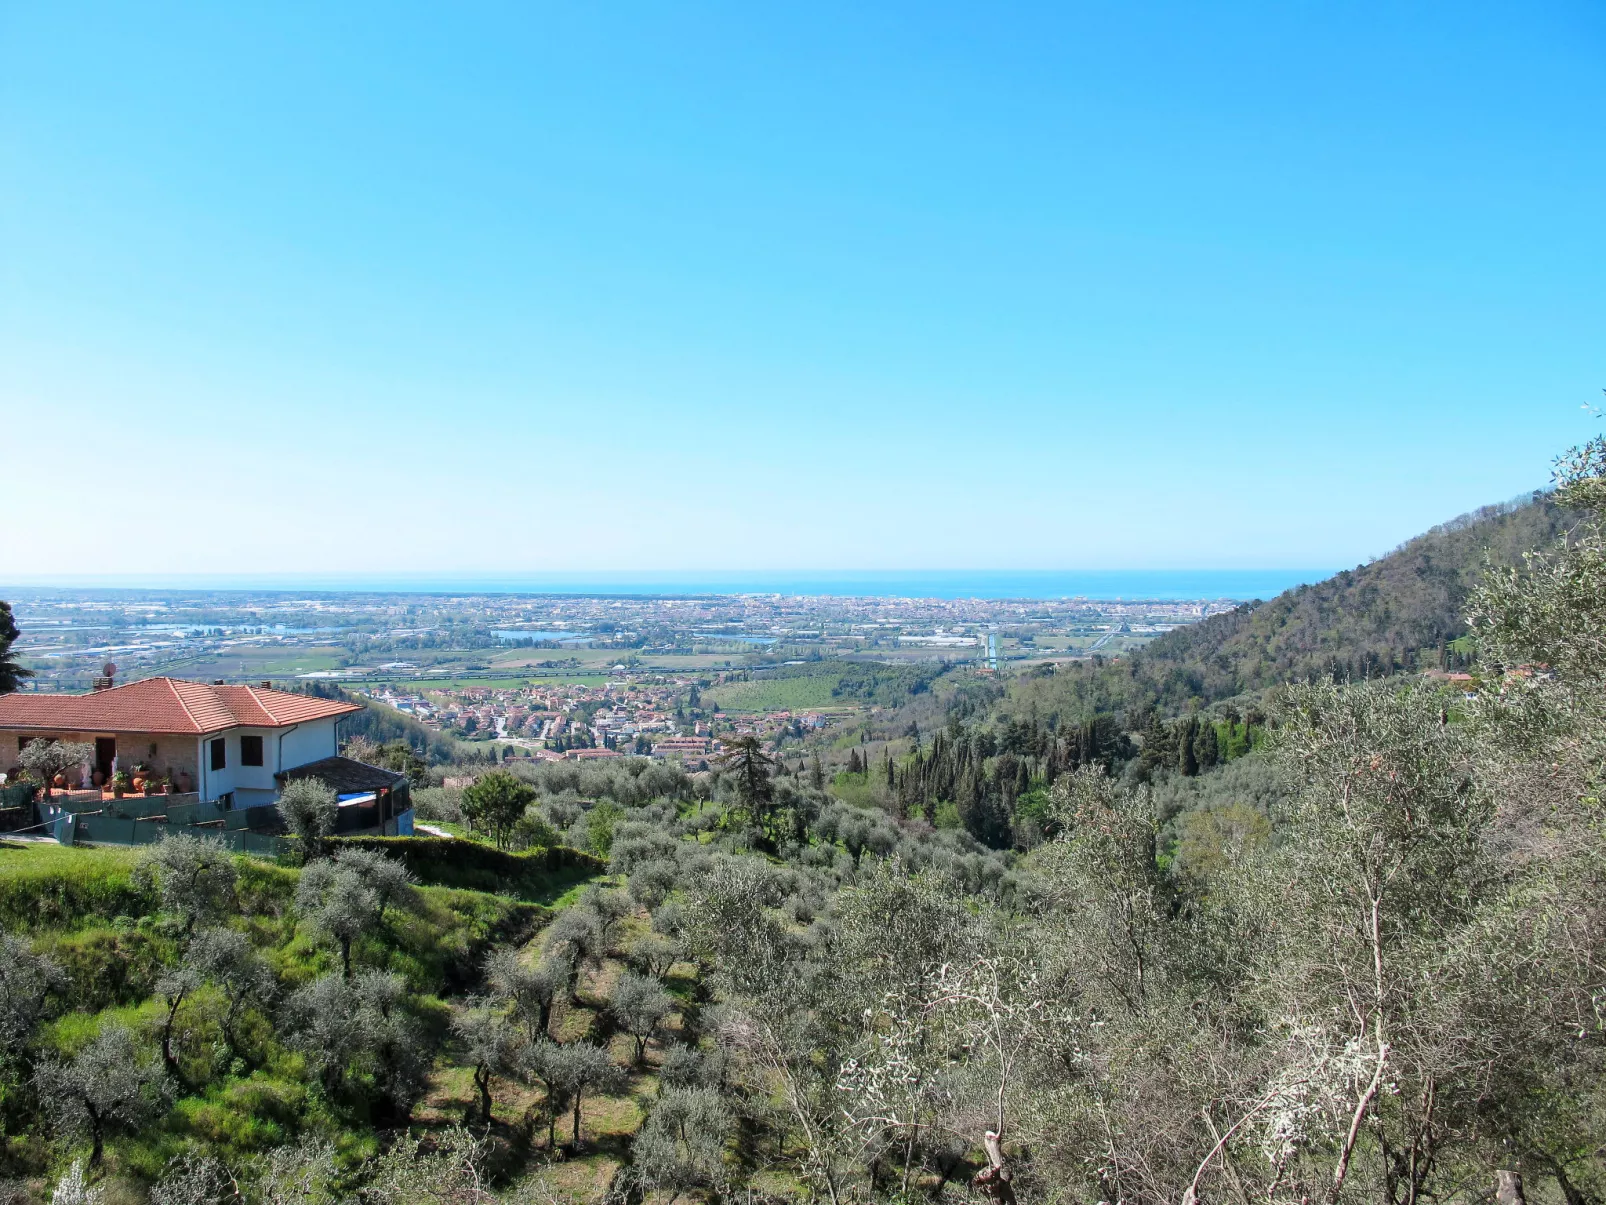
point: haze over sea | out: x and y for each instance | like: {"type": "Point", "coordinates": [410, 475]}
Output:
{"type": "Point", "coordinates": [1236, 584]}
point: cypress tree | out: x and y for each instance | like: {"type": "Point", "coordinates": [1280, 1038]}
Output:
{"type": "Point", "coordinates": [1187, 759]}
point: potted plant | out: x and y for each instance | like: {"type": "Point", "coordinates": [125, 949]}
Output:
{"type": "Point", "coordinates": [120, 783]}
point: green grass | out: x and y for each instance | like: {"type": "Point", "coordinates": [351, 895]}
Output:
{"type": "Point", "coordinates": [50, 886]}
{"type": "Point", "coordinates": [537, 876]}
{"type": "Point", "coordinates": [776, 694]}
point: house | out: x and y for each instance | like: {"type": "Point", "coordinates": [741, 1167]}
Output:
{"type": "Point", "coordinates": [225, 750]}
{"type": "Point", "coordinates": [224, 743]}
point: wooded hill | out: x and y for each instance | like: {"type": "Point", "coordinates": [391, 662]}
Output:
{"type": "Point", "coordinates": [1400, 613]}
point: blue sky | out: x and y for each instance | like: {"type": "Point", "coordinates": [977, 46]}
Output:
{"type": "Point", "coordinates": [377, 288]}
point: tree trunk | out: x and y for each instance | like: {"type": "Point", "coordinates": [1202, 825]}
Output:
{"type": "Point", "coordinates": [96, 1133]}
{"type": "Point", "coordinates": [994, 1179]}
{"type": "Point", "coordinates": [577, 1121]}
{"type": "Point", "coordinates": [167, 1036]}
{"type": "Point", "coordinates": [345, 956]}
{"type": "Point", "coordinates": [482, 1081]}
{"type": "Point", "coordinates": [1508, 1188]}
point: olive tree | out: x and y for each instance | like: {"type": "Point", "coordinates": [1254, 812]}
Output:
{"type": "Point", "coordinates": [530, 992]}
{"type": "Point", "coordinates": [640, 1004]}
{"type": "Point", "coordinates": [568, 1073]}
{"type": "Point", "coordinates": [26, 981]}
{"type": "Point", "coordinates": [110, 1085]}
{"type": "Point", "coordinates": [309, 807]}
{"type": "Point", "coordinates": [360, 1031]}
{"type": "Point", "coordinates": [194, 877]}
{"type": "Point", "coordinates": [74, 1188]}
{"type": "Point", "coordinates": [390, 881]}
{"type": "Point", "coordinates": [681, 1147]}
{"type": "Point", "coordinates": [576, 937]}
{"type": "Point", "coordinates": [611, 907]}
{"type": "Point", "coordinates": [226, 959]}
{"type": "Point", "coordinates": [491, 1046]}
{"type": "Point", "coordinates": [338, 904]}
{"type": "Point", "coordinates": [46, 758]}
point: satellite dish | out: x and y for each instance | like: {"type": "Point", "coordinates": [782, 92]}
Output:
{"type": "Point", "coordinates": [108, 669]}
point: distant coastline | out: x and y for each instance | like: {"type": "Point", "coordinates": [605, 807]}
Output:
{"type": "Point", "coordinates": [1104, 584]}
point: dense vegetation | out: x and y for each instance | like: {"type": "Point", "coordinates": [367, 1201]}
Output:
{"type": "Point", "coordinates": [1402, 612]}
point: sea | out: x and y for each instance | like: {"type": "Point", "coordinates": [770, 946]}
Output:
{"type": "Point", "coordinates": [1239, 585]}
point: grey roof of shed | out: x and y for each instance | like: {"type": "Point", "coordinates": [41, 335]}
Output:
{"type": "Point", "coordinates": [345, 776]}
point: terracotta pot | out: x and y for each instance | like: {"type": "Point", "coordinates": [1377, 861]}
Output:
{"type": "Point", "coordinates": [117, 792]}
{"type": "Point", "coordinates": [59, 781]}
{"type": "Point", "coordinates": [98, 778]}
{"type": "Point", "coordinates": [139, 782]}
{"type": "Point", "coordinates": [184, 782]}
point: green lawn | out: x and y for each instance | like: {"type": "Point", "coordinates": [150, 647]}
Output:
{"type": "Point", "coordinates": [776, 694]}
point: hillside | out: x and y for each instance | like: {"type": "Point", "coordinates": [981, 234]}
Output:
{"type": "Point", "coordinates": [1398, 613]}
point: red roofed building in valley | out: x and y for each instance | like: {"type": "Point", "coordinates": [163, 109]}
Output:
{"type": "Point", "coordinates": [227, 744]}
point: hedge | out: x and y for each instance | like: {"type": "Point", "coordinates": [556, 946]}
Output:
{"type": "Point", "coordinates": [536, 874]}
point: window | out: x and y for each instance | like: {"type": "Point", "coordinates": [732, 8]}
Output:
{"type": "Point", "coordinates": [220, 757]}
{"type": "Point", "coordinates": [250, 750]}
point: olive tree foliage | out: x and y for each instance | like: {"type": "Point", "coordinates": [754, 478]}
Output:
{"type": "Point", "coordinates": [611, 907]}
{"type": "Point", "coordinates": [360, 1034]}
{"type": "Point", "coordinates": [576, 938]}
{"type": "Point", "coordinates": [1540, 976]}
{"type": "Point", "coordinates": [338, 904]}
{"type": "Point", "coordinates": [110, 1085]}
{"type": "Point", "coordinates": [226, 959]}
{"type": "Point", "coordinates": [74, 1188]}
{"type": "Point", "coordinates": [568, 1073]}
{"type": "Point", "coordinates": [44, 758]}
{"type": "Point", "coordinates": [450, 1168]}
{"type": "Point", "coordinates": [194, 877]}
{"type": "Point", "coordinates": [490, 1045]}
{"type": "Point", "coordinates": [780, 1017]}
{"type": "Point", "coordinates": [388, 878]}
{"type": "Point", "coordinates": [529, 992]}
{"type": "Point", "coordinates": [681, 1147]}
{"type": "Point", "coordinates": [654, 954]}
{"type": "Point", "coordinates": [1396, 995]}
{"type": "Point", "coordinates": [195, 1179]}
{"type": "Point", "coordinates": [309, 807]}
{"type": "Point", "coordinates": [26, 981]}
{"type": "Point", "coordinates": [345, 897]}
{"type": "Point", "coordinates": [640, 1004]}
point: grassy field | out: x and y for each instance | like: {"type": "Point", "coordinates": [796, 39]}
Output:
{"type": "Point", "coordinates": [267, 661]}
{"type": "Point", "coordinates": [776, 694]}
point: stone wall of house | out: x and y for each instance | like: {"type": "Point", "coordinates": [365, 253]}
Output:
{"type": "Point", "coordinates": [162, 753]}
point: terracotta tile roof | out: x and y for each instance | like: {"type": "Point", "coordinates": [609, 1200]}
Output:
{"type": "Point", "coordinates": [167, 705]}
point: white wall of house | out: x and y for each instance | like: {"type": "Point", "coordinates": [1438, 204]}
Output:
{"type": "Point", "coordinates": [282, 749]}
{"type": "Point", "coordinates": [307, 743]}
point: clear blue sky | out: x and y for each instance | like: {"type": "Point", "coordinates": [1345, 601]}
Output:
{"type": "Point", "coordinates": [345, 287]}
